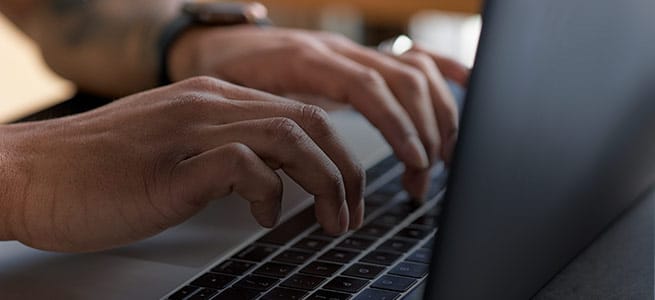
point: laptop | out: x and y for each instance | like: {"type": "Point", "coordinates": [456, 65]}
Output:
{"type": "Point", "coordinates": [556, 142]}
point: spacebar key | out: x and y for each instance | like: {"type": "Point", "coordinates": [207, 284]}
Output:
{"type": "Point", "coordinates": [291, 228]}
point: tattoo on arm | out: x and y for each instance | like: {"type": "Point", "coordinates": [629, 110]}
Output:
{"type": "Point", "coordinates": [84, 17]}
{"type": "Point", "coordinates": [109, 34]}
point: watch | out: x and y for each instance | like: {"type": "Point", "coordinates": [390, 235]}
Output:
{"type": "Point", "coordinates": [195, 13]}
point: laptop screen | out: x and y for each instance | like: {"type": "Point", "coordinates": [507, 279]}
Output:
{"type": "Point", "coordinates": [556, 141]}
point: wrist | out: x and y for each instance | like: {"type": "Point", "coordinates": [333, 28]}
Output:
{"type": "Point", "coordinates": [182, 59]}
{"type": "Point", "coordinates": [178, 43]}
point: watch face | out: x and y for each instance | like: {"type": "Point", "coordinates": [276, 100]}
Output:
{"type": "Point", "coordinates": [225, 13]}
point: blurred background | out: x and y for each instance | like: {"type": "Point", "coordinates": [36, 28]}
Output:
{"type": "Point", "coordinates": [450, 27]}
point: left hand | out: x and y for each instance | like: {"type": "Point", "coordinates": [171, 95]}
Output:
{"type": "Point", "coordinates": [406, 97]}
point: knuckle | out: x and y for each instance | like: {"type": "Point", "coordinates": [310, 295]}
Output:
{"type": "Point", "coordinates": [188, 104]}
{"type": "Point", "coordinates": [202, 83]}
{"type": "Point", "coordinates": [285, 130]}
{"type": "Point", "coordinates": [334, 37]}
{"type": "Point", "coordinates": [369, 78]}
{"type": "Point", "coordinates": [315, 118]}
{"type": "Point", "coordinates": [419, 60]}
{"type": "Point", "coordinates": [239, 155]}
{"type": "Point", "coordinates": [413, 79]}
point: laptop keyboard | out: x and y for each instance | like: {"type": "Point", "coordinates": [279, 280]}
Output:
{"type": "Point", "coordinates": [385, 259]}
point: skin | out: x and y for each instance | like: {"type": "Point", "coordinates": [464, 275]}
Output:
{"type": "Point", "coordinates": [119, 176]}
{"type": "Point", "coordinates": [406, 97]}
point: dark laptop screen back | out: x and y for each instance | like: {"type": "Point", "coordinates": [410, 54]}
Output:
{"type": "Point", "coordinates": [558, 138]}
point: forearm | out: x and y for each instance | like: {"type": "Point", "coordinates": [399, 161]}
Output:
{"type": "Point", "coordinates": [12, 180]}
{"type": "Point", "coordinates": [104, 46]}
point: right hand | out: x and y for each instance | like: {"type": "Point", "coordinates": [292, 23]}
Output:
{"type": "Point", "coordinates": [150, 161]}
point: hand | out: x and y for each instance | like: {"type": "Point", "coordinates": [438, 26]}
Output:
{"type": "Point", "coordinates": [152, 160]}
{"type": "Point", "coordinates": [405, 97]}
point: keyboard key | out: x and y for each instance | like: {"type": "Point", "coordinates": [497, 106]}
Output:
{"type": "Point", "coordinates": [371, 209]}
{"type": "Point", "coordinates": [233, 267]}
{"type": "Point", "coordinates": [303, 282]}
{"type": "Point", "coordinates": [258, 283]}
{"type": "Point", "coordinates": [364, 271]}
{"type": "Point", "coordinates": [284, 294]}
{"type": "Point", "coordinates": [414, 233]}
{"type": "Point", "coordinates": [408, 269]}
{"type": "Point", "coordinates": [392, 187]}
{"type": "Point", "coordinates": [436, 186]}
{"type": "Point", "coordinates": [404, 208]}
{"type": "Point", "coordinates": [322, 269]}
{"type": "Point", "coordinates": [425, 221]}
{"type": "Point", "coordinates": [320, 234]}
{"type": "Point", "coordinates": [388, 219]}
{"type": "Point", "coordinates": [429, 243]}
{"type": "Point", "coordinates": [204, 294]}
{"type": "Point", "coordinates": [381, 168]}
{"type": "Point", "coordinates": [293, 257]}
{"type": "Point", "coordinates": [236, 293]}
{"type": "Point", "coordinates": [311, 244]}
{"type": "Point", "coordinates": [373, 230]}
{"type": "Point", "coordinates": [381, 258]}
{"type": "Point", "coordinates": [356, 243]}
{"type": "Point", "coordinates": [255, 253]}
{"type": "Point", "coordinates": [346, 284]}
{"type": "Point", "coordinates": [397, 245]}
{"type": "Point", "coordinates": [434, 211]}
{"type": "Point", "coordinates": [183, 292]}
{"type": "Point", "coordinates": [275, 270]}
{"type": "Point", "coordinates": [213, 280]}
{"type": "Point", "coordinates": [377, 199]}
{"type": "Point", "coordinates": [394, 283]}
{"type": "Point", "coordinates": [421, 256]}
{"type": "Point", "coordinates": [328, 295]}
{"type": "Point", "coordinates": [373, 294]}
{"type": "Point", "coordinates": [291, 228]}
{"type": "Point", "coordinates": [339, 256]}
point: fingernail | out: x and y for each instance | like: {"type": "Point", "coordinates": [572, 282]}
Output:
{"type": "Point", "coordinates": [343, 218]}
{"type": "Point", "coordinates": [416, 153]}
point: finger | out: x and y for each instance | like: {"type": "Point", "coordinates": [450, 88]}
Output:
{"type": "Point", "coordinates": [416, 180]}
{"type": "Point", "coordinates": [311, 119]}
{"type": "Point", "coordinates": [408, 85]}
{"type": "Point", "coordinates": [338, 77]}
{"type": "Point", "coordinates": [315, 122]}
{"type": "Point", "coordinates": [449, 68]}
{"type": "Point", "coordinates": [281, 143]}
{"type": "Point", "coordinates": [341, 79]}
{"type": "Point", "coordinates": [442, 99]}
{"type": "Point", "coordinates": [220, 171]}
{"type": "Point", "coordinates": [211, 88]}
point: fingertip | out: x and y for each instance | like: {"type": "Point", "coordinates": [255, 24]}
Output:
{"type": "Point", "coordinates": [266, 216]}
{"type": "Point", "coordinates": [416, 183]}
{"type": "Point", "coordinates": [357, 215]}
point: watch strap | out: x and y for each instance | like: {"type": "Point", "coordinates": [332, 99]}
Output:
{"type": "Point", "coordinates": [188, 18]}
{"type": "Point", "coordinates": [168, 36]}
